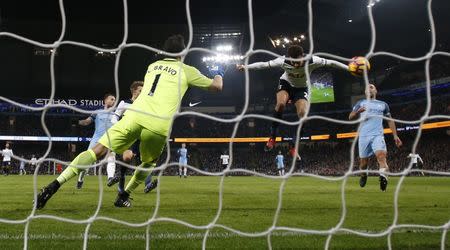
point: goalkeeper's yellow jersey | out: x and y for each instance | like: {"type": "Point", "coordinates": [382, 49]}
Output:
{"type": "Point", "coordinates": [165, 84]}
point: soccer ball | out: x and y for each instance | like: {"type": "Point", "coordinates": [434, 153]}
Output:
{"type": "Point", "coordinates": [357, 64]}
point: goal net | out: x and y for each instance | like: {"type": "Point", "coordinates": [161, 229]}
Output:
{"type": "Point", "coordinates": [276, 228]}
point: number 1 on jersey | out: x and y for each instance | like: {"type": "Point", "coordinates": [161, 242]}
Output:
{"type": "Point", "coordinates": [155, 83]}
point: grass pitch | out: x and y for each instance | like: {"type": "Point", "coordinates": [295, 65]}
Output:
{"type": "Point", "coordinates": [322, 95]}
{"type": "Point", "coordinates": [249, 205]}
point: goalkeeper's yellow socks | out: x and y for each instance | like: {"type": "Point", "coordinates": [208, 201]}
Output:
{"type": "Point", "coordinates": [85, 158]}
{"type": "Point", "coordinates": [138, 177]}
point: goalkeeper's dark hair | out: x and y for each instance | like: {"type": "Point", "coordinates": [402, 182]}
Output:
{"type": "Point", "coordinates": [135, 85]}
{"type": "Point", "coordinates": [108, 95]}
{"type": "Point", "coordinates": [174, 44]}
{"type": "Point", "coordinates": [295, 51]}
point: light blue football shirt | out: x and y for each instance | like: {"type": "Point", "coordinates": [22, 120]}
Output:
{"type": "Point", "coordinates": [371, 125]}
{"type": "Point", "coordinates": [182, 152]}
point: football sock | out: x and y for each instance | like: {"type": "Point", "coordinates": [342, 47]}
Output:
{"type": "Point", "coordinates": [111, 167]}
{"type": "Point", "coordinates": [83, 159]}
{"type": "Point", "coordinates": [382, 172]}
{"type": "Point", "coordinates": [138, 177]}
{"type": "Point", "coordinates": [148, 180]}
{"type": "Point", "coordinates": [121, 185]}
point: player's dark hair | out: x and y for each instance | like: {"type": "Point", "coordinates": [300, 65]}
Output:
{"type": "Point", "coordinates": [174, 44]}
{"type": "Point", "coordinates": [135, 85]}
{"type": "Point", "coordinates": [107, 95]}
{"type": "Point", "coordinates": [295, 51]}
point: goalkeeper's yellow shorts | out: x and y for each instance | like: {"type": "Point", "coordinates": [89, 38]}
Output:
{"type": "Point", "coordinates": [125, 132]}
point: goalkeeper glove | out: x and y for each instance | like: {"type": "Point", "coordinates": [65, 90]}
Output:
{"type": "Point", "coordinates": [216, 70]}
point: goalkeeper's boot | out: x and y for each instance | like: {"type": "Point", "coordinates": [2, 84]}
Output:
{"type": "Point", "coordinates": [363, 180]}
{"type": "Point", "coordinates": [112, 181]}
{"type": "Point", "coordinates": [80, 184]}
{"type": "Point", "coordinates": [383, 183]}
{"type": "Point", "coordinates": [270, 144]}
{"type": "Point", "coordinates": [47, 193]}
{"type": "Point", "coordinates": [123, 199]}
{"type": "Point", "coordinates": [152, 185]}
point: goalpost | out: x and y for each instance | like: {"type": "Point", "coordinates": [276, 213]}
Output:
{"type": "Point", "coordinates": [338, 228]}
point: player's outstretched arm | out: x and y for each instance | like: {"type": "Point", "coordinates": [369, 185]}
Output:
{"type": "Point", "coordinates": [261, 65]}
{"type": "Point", "coordinates": [420, 159]}
{"type": "Point", "coordinates": [392, 126]}
{"type": "Point", "coordinates": [217, 84]}
{"type": "Point", "coordinates": [257, 65]}
{"type": "Point", "coordinates": [397, 140]}
{"type": "Point", "coordinates": [197, 79]}
{"type": "Point", "coordinates": [86, 122]}
{"type": "Point", "coordinates": [217, 72]}
{"type": "Point", "coordinates": [355, 67]}
{"type": "Point", "coordinates": [336, 64]}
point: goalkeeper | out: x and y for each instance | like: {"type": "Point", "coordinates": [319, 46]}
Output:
{"type": "Point", "coordinates": [166, 81]}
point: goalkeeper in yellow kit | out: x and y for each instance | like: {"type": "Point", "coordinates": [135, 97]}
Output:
{"type": "Point", "coordinates": [165, 84]}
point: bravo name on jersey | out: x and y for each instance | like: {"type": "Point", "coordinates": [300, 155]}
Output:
{"type": "Point", "coordinates": [166, 81]}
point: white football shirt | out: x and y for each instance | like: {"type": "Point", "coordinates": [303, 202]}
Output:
{"type": "Point", "coordinates": [224, 159]}
{"type": "Point", "coordinates": [296, 77]}
{"type": "Point", "coordinates": [414, 157]}
{"type": "Point", "coordinates": [121, 108]}
{"type": "Point", "coordinates": [33, 161]}
{"type": "Point", "coordinates": [7, 152]}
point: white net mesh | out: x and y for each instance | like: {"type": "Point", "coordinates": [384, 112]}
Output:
{"type": "Point", "coordinates": [274, 229]}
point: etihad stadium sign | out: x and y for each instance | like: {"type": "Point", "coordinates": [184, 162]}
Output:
{"type": "Point", "coordinates": [69, 102]}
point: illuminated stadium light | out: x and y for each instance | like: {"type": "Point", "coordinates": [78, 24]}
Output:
{"type": "Point", "coordinates": [105, 54]}
{"type": "Point", "coordinates": [222, 58]}
{"type": "Point", "coordinates": [224, 48]}
{"type": "Point", "coordinates": [43, 51]}
{"type": "Point", "coordinates": [231, 34]}
{"type": "Point", "coordinates": [283, 41]}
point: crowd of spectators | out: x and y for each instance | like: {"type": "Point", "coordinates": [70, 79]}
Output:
{"type": "Point", "coordinates": [29, 124]}
{"type": "Point", "coordinates": [324, 157]}
{"type": "Point", "coordinates": [321, 157]}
